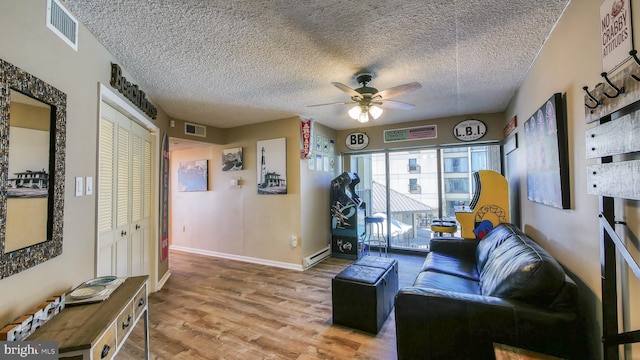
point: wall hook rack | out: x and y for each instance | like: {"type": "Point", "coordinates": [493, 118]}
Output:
{"type": "Point", "coordinates": [618, 90]}
{"type": "Point", "coordinates": [596, 101]}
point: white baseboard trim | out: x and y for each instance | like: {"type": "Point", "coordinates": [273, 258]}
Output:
{"type": "Point", "coordinates": [164, 279]}
{"type": "Point", "coordinates": [248, 259]}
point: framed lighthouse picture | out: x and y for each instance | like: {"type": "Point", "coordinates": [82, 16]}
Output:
{"type": "Point", "coordinates": [272, 166]}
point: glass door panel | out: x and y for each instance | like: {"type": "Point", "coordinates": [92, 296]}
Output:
{"type": "Point", "coordinates": [408, 188]}
{"type": "Point", "coordinates": [458, 165]}
{"type": "Point", "coordinates": [371, 169]}
{"type": "Point", "coordinates": [413, 198]}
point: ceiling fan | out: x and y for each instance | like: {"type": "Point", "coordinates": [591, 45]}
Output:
{"type": "Point", "coordinates": [369, 101]}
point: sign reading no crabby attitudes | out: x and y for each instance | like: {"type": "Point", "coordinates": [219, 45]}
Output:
{"type": "Point", "coordinates": [615, 33]}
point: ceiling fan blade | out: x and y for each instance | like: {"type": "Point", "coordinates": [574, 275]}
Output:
{"type": "Point", "coordinates": [333, 103]}
{"type": "Point", "coordinates": [392, 104]}
{"type": "Point", "coordinates": [346, 89]}
{"type": "Point", "coordinates": [398, 90]}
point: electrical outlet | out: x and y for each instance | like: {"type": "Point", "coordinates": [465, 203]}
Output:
{"type": "Point", "coordinates": [294, 241]}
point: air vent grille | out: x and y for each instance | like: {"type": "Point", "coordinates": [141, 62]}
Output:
{"type": "Point", "coordinates": [195, 130]}
{"type": "Point", "coordinates": [62, 23]}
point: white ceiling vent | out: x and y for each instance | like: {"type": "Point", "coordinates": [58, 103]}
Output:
{"type": "Point", "coordinates": [61, 22]}
{"type": "Point", "coordinates": [195, 130]}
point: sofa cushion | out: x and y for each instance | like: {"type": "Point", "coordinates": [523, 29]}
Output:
{"type": "Point", "coordinates": [450, 264]}
{"type": "Point", "coordinates": [522, 270]}
{"type": "Point", "coordinates": [492, 240]}
{"type": "Point", "coordinates": [447, 282]}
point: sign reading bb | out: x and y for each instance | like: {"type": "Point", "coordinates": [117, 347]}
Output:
{"type": "Point", "coordinates": [357, 141]}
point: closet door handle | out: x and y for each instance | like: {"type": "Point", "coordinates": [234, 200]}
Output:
{"type": "Point", "coordinates": [137, 226]}
{"type": "Point", "coordinates": [123, 233]}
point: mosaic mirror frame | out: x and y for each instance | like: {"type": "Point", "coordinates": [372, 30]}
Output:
{"type": "Point", "coordinates": [13, 78]}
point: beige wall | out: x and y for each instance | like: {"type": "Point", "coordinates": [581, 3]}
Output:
{"type": "Point", "coordinates": [28, 44]}
{"type": "Point", "coordinates": [213, 135]}
{"type": "Point", "coordinates": [237, 222]}
{"type": "Point", "coordinates": [569, 60]}
{"type": "Point", "coordinates": [494, 123]}
{"type": "Point", "coordinates": [315, 186]}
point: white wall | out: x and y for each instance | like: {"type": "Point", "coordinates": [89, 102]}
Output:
{"type": "Point", "coordinates": [568, 61]}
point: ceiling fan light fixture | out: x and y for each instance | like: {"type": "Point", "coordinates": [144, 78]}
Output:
{"type": "Point", "coordinates": [363, 117]}
{"type": "Point", "coordinates": [375, 111]}
{"type": "Point", "coordinates": [355, 112]}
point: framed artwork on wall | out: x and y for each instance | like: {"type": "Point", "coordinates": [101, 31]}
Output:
{"type": "Point", "coordinates": [272, 166]}
{"type": "Point", "coordinates": [232, 159]}
{"type": "Point", "coordinates": [193, 175]}
{"type": "Point", "coordinates": [545, 136]}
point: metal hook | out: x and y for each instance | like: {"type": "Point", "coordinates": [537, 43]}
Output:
{"type": "Point", "coordinates": [586, 89]}
{"type": "Point", "coordinates": [635, 57]}
{"type": "Point", "coordinates": [618, 90]}
{"type": "Point", "coordinates": [634, 53]}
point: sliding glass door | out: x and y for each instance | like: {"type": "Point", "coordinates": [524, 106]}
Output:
{"type": "Point", "coordinates": [409, 188]}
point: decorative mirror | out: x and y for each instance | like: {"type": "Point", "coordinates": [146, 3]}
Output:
{"type": "Point", "coordinates": [32, 164]}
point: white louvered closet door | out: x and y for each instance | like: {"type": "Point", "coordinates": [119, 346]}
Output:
{"type": "Point", "coordinates": [124, 183]}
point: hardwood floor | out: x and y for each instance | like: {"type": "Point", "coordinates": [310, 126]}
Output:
{"type": "Point", "coordinates": [212, 308]}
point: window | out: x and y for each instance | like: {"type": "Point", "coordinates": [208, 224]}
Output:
{"type": "Point", "coordinates": [456, 185]}
{"type": "Point", "coordinates": [414, 188]}
{"type": "Point", "coordinates": [479, 160]}
{"type": "Point", "coordinates": [413, 166]}
{"type": "Point", "coordinates": [456, 165]}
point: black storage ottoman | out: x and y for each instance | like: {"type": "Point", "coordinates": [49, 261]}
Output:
{"type": "Point", "coordinates": [363, 295]}
{"type": "Point", "coordinates": [390, 278]}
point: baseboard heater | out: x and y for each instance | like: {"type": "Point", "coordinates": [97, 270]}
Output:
{"type": "Point", "coordinates": [316, 257]}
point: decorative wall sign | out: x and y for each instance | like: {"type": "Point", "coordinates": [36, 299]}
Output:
{"type": "Point", "coordinates": [469, 130]}
{"type": "Point", "coordinates": [357, 141]}
{"type": "Point", "coordinates": [164, 198]}
{"type": "Point", "coordinates": [306, 134]}
{"type": "Point", "coordinates": [547, 159]}
{"type": "Point", "coordinates": [615, 33]}
{"type": "Point", "coordinates": [411, 133]}
{"type": "Point", "coordinates": [193, 175]}
{"type": "Point", "coordinates": [131, 92]}
{"type": "Point", "coordinates": [272, 167]}
{"type": "Point", "coordinates": [511, 126]}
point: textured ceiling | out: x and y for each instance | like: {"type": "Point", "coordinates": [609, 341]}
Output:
{"type": "Point", "coordinates": [228, 63]}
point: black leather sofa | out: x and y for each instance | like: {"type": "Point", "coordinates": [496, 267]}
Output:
{"type": "Point", "coordinates": [471, 294]}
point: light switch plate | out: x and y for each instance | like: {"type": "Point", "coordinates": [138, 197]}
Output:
{"type": "Point", "coordinates": [88, 186]}
{"type": "Point", "coordinates": [79, 185]}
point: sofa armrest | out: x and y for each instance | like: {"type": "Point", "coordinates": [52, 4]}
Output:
{"type": "Point", "coordinates": [439, 324]}
{"type": "Point", "coordinates": [454, 246]}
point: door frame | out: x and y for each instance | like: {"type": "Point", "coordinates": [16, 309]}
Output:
{"type": "Point", "coordinates": [112, 98]}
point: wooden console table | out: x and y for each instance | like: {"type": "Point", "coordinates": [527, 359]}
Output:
{"type": "Point", "coordinates": [98, 331]}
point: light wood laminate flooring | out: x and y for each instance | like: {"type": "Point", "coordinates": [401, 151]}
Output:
{"type": "Point", "coordinates": [213, 308]}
